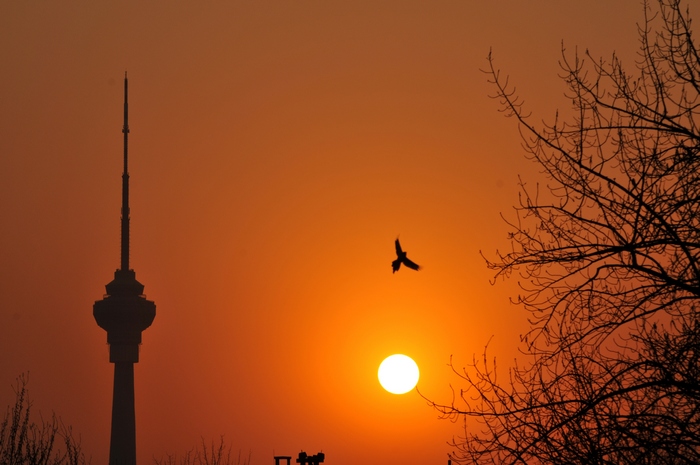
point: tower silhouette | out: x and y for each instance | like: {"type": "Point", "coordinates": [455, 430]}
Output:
{"type": "Point", "coordinates": [124, 313]}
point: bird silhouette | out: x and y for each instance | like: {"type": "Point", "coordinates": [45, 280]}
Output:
{"type": "Point", "coordinates": [401, 258]}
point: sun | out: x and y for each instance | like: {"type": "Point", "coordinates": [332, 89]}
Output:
{"type": "Point", "coordinates": [398, 374]}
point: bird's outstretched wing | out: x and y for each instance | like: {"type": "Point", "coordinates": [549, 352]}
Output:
{"type": "Point", "coordinates": [410, 264]}
{"type": "Point", "coordinates": [398, 247]}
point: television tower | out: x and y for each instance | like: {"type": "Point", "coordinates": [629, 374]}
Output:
{"type": "Point", "coordinates": [124, 313]}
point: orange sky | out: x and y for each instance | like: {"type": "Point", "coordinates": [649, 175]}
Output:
{"type": "Point", "coordinates": [277, 149]}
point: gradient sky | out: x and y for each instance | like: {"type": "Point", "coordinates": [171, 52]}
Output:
{"type": "Point", "coordinates": [277, 149]}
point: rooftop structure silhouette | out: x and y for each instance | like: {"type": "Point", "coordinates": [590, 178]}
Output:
{"type": "Point", "coordinates": [124, 313]}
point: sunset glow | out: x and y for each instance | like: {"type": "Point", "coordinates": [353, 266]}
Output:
{"type": "Point", "coordinates": [276, 151]}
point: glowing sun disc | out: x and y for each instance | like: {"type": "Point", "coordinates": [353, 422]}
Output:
{"type": "Point", "coordinates": [398, 374]}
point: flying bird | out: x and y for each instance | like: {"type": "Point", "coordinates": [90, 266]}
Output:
{"type": "Point", "coordinates": [402, 259]}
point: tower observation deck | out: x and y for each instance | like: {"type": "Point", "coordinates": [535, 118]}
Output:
{"type": "Point", "coordinates": [124, 313]}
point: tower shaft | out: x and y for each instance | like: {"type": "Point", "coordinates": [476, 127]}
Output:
{"type": "Point", "coordinates": [122, 444]}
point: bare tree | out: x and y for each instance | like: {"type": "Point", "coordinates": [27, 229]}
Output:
{"type": "Point", "coordinates": [608, 258]}
{"type": "Point", "coordinates": [214, 454]}
{"type": "Point", "coordinates": [25, 442]}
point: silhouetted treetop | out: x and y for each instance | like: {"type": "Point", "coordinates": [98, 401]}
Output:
{"type": "Point", "coordinates": [607, 253]}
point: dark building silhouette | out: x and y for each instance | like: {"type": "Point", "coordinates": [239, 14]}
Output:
{"type": "Point", "coordinates": [124, 313]}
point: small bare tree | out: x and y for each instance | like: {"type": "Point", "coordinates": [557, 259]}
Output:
{"type": "Point", "coordinates": [24, 442]}
{"type": "Point", "coordinates": [214, 454]}
{"type": "Point", "coordinates": [608, 256]}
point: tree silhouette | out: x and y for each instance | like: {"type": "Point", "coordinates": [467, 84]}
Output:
{"type": "Point", "coordinates": [214, 454]}
{"type": "Point", "coordinates": [25, 442]}
{"type": "Point", "coordinates": [608, 258]}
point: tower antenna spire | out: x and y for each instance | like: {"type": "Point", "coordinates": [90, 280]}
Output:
{"type": "Point", "coordinates": [125, 182]}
